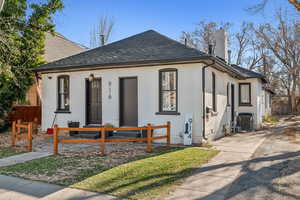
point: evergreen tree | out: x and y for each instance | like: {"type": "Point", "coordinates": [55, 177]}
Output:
{"type": "Point", "coordinates": [22, 40]}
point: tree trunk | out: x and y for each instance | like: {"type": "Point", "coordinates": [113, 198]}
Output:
{"type": "Point", "coordinates": [289, 101]}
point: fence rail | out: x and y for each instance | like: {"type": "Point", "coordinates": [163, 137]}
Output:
{"type": "Point", "coordinates": [102, 139]}
{"type": "Point", "coordinates": [18, 130]}
{"type": "Point", "coordinates": [26, 113]}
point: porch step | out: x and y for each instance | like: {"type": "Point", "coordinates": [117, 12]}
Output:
{"type": "Point", "coordinates": [91, 133]}
{"type": "Point", "coordinates": [95, 134]}
{"type": "Point", "coordinates": [131, 134]}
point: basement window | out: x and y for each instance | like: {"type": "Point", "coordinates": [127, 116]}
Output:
{"type": "Point", "coordinates": [63, 93]}
{"type": "Point", "coordinates": [245, 94]}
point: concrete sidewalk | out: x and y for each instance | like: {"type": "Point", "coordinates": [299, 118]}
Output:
{"type": "Point", "coordinates": [12, 160]}
{"type": "Point", "coordinates": [212, 180]}
{"type": "Point", "coordinates": [15, 188]}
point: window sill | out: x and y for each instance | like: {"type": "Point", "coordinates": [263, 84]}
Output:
{"type": "Point", "coordinates": [249, 105]}
{"type": "Point", "coordinates": [214, 113]}
{"type": "Point", "coordinates": [63, 111]}
{"type": "Point", "coordinates": [167, 113]}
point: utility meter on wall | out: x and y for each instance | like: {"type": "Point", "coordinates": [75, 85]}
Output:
{"type": "Point", "coordinates": [188, 129]}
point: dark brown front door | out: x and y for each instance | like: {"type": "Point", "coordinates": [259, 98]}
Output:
{"type": "Point", "coordinates": [94, 101]}
{"type": "Point", "coordinates": [128, 102]}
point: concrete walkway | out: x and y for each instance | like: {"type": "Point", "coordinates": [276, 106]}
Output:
{"type": "Point", "coordinates": [15, 188]}
{"type": "Point", "coordinates": [212, 180]}
{"type": "Point", "coordinates": [12, 160]}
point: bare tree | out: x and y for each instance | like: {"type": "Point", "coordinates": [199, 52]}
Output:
{"type": "Point", "coordinates": [202, 36]}
{"type": "Point", "coordinates": [101, 32]}
{"type": "Point", "coordinates": [262, 4]}
{"type": "Point", "coordinates": [188, 39]}
{"type": "Point", "coordinates": [284, 44]}
{"type": "Point", "coordinates": [243, 41]}
{"type": "Point", "coordinates": [296, 3]}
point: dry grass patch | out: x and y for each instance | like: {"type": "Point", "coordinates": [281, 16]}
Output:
{"type": "Point", "coordinates": [70, 168]}
{"type": "Point", "coordinates": [5, 140]}
{"type": "Point", "coordinates": [10, 151]}
{"type": "Point", "coordinates": [148, 178]}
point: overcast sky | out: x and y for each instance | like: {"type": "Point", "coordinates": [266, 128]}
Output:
{"type": "Point", "coordinates": [169, 17]}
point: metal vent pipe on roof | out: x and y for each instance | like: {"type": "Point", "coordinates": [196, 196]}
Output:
{"type": "Point", "coordinates": [210, 49]}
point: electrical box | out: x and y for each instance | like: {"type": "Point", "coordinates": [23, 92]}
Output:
{"type": "Point", "coordinates": [188, 129]}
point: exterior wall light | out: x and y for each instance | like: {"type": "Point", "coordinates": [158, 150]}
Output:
{"type": "Point", "coordinates": [91, 77]}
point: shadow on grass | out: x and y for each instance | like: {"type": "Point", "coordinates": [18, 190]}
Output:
{"type": "Point", "coordinates": [173, 177]}
{"type": "Point", "coordinates": [165, 180]}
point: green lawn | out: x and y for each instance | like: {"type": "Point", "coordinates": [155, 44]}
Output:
{"type": "Point", "coordinates": [149, 177]}
{"type": "Point", "coordinates": [68, 169]}
{"type": "Point", "coordinates": [129, 174]}
{"type": "Point", "coordinates": [9, 151]}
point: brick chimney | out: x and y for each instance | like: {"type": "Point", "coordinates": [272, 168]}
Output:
{"type": "Point", "coordinates": [221, 44]}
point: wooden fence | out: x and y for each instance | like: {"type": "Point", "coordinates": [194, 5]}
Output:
{"type": "Point", "coordinates": [102, 139]}
{"type": "Point", "coordinates": [22, 132]}
{"type": "Point", "coordinates": [26, 113]}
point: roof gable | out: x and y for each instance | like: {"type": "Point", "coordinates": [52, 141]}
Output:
{"type": "Point", "coordinates": [58, 47]}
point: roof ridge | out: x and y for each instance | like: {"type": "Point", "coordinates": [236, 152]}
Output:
{"type": "Point", "coordinates": [176, 41]}
{"type": "Point", "coordinates": [107, 45]}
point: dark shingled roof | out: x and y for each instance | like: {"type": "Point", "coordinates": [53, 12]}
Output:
{"type": "Point", "coordinates": [270, 90]}
{"type": "Point", "coordinates": [149, 47]}
{"type": "Point", "coordinates": [246, 73]}
{"type": "Point", "coordinates": [145, 47]}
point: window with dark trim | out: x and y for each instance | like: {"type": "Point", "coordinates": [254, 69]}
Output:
{"type": "Point", "coordinates": [245, 94]}
{"type": "Point", "coordinates": [168, 91]}
{"type": "Point", "coordinates": [214, 103]}
{"type": "Point", "coordinates": [228, 99]}
{"type": "Point", "coordinates": [63, 93]}
{"type": "Point", "coordinates": [266, 100]}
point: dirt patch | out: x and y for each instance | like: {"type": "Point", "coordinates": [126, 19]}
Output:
{"type": "Point", "coordinates": [5, 140]}
{"type": "Point", "coordinates": [69, 168]}
{"type": "Point", "coordinates": [293, 134]}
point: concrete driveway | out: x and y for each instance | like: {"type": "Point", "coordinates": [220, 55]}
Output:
{"type": "Point", "coordinates": [251, 166]}
{"type": "Point", "coordinates": [274, 170]}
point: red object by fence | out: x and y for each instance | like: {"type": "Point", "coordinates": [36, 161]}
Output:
{"type": "Point", "coordinates": [26, 113]}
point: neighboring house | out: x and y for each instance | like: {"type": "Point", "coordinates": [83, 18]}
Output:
{"type": "Point", "coordinates": [150, 78]}
{"type": "Point", "coordinates": [56, 47]}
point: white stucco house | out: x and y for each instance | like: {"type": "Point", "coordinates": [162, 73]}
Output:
{"type": "Point", "coordinates": [150, 78]}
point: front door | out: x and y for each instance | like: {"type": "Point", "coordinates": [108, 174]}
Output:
{"type": "Point", "coordinates": [232, 103]}
{"type": "Point", "coordinates": [93, 101]}
{"type": "Point", "coordinates": [128, 101]}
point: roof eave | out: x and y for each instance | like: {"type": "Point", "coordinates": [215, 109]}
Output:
{"type": "Point", "coordinates": [120, 65]}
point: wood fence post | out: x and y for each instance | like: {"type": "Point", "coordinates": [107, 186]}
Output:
{"type": "Point", "coordinates": [55, 139]}
{"type": "Point", "coordinates": [102, 141]}
{"type": "Point", "coordinates": [13, 134]}
{"type": "Point", "coordinates": [168, 133]}
{"type": "Point", "coordinates": [149, 138]}
{"type": "Point", "coordinates": [18, 128]}
{"type": "Point", "coordinates": [35, 125]}
{"type": "Point", "coordinates": [30, 127]}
